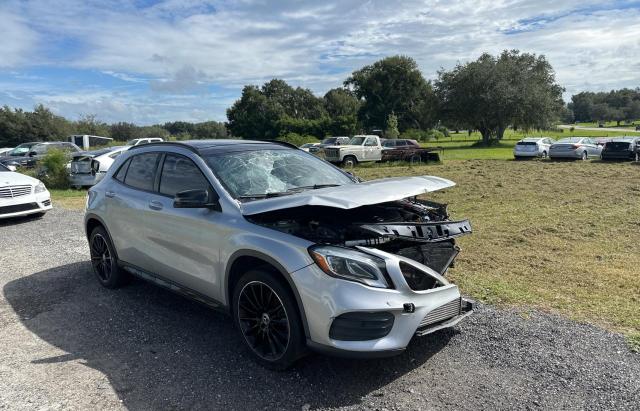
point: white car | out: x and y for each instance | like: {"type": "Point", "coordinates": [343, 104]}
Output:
{"type": "Point", "coordinates": [89, 167]}
{"type": "Point", "coordinates": [306, 147]}
{"type": "Point", "coordinates": [139, 141]}
{"type": "Point", "coordinates": [532, 147]}
{"type": "Point", "coordinates": [4, 151]}
{"type": "Point", "coordinates": [22, 195]}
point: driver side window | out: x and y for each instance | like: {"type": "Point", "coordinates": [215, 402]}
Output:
{"type": "Point", "coordinates": [179, 174]}
{"type": "Point", "coordinates": [370, 142]}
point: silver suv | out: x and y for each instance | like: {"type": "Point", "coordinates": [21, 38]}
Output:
{"type": "Point", "coordinates": [300, 253]}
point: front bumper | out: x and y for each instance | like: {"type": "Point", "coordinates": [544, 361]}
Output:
{"type": "Point", "coordinates": [25, 205]}
{"type": "Point", "coordinates": [325, 298]}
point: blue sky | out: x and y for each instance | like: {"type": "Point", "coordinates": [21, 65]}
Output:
{"type": "Point", "coordinates": [150, 61]}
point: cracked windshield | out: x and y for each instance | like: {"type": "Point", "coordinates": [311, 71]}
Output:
{"type": "Point", "coordinates": [267, 173]}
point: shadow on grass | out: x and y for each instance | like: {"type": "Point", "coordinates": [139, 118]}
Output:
{"type": "Point", "coordinates": [161, 351]}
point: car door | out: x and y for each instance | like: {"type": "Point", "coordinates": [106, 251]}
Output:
{"type": "Point", "coordinates": [185, 241]}
{"type": "Point", "coordinates": [592, 148]}
{"type": "Point", "coordinates": [126, 197]}
{"type": "Point", "coordinates": [371, 149]}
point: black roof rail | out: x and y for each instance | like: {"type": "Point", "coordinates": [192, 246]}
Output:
{"type": "Point", "coordinates": [164, 143]}
{"type": "Point", "coordinates": [282, 143]}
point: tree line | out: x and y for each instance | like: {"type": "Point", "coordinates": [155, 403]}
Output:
{"type": "Point", "coordinates": [616, 105]}
{"type": "Point", "coordinates": [20, 126]}
{"type": "Point", "coordinates": [389, 97]}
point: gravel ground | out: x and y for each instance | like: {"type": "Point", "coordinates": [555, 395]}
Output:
{"type": "Point", "coordinates": [68, 343]}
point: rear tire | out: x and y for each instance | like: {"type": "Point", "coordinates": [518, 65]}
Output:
{"type": "Point", "coordinates": [265, 313]}
{"type": "Point", "coordinates": [104, 260]}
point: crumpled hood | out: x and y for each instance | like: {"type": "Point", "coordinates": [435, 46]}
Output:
{"type": "Point", "coordinates": [352, 195]}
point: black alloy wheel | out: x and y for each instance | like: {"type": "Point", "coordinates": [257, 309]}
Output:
{"type": "Point", "coordinates": [263, 321]}
{"type": "Point", "coordinates": [104, 260]}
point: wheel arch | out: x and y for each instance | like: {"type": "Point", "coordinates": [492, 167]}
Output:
{"type": "Point", "coordinates": [242, 261]}
{"type": "Point", "coordinates": [91, 221]}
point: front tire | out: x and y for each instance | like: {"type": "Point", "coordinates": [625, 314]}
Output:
{"type": "Point", "coordinates": [264, 311]}
{"type": "Point", "coordinates": [585, 156]}
{"type": "Point", "coordinates": [104, 260]}
{"type": "Point", "coordinates": [544, 155]}
{"type": "Point", "coordinates": [349, 161]}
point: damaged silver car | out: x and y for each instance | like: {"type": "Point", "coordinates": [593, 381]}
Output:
{"type": "Point", "coordinates": [300, 253]}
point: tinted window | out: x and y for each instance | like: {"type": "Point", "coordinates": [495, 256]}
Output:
{"type": "Point", "coordinates": [179, 174]}
{"type": "Point", "coordinates": [142, 171]}
{"type": "Point", "coordinates": [119, 175]}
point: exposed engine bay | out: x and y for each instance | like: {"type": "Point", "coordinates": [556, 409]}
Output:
{"type": "Point", "coordinates": [416, 229]}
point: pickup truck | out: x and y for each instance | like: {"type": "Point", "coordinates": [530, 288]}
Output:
{"type": "Point", "coordinates": [359, 149]}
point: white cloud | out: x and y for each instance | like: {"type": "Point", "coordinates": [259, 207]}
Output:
{"type": "Point", "coordinates": [184, 47]}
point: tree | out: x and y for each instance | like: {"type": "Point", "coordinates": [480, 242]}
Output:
{"type": "Point", "coordinates": [124, 131]}
{"type": "Point", "coordinates": [392, 126]}
{"type": "Point", "coordinates": [394, 85]}
{"type": "Point", "coordinates": [275, 109]}
{"type": "Point", "coordinates": [492, 93]}
{"type": "Point", "coordinates": [342, 107]}
{"type": "Point", "coordinates": [89, 124]}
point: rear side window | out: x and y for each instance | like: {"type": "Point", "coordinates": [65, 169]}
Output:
{"type": "Point", "coordinates": [179, 174]}
{"type": "Point", "coordinates": [142, 171]}
{"type": "Point", "coordinates": [122, 171]}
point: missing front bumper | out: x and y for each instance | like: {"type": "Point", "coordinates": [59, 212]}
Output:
{"type": "Point", "coordinates": [447, 315]}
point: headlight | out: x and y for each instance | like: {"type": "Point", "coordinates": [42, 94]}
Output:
{"type": "Point", "coordinates": [40, 188]}
{"type": "Point", "coordinates": [350, 265]}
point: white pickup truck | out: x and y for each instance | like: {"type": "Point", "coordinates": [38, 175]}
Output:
{"type": "Point", "coordinates": [357, 150]}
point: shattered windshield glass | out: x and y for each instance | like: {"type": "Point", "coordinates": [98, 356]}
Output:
{"type": "Point", "coordinates": [264, 173]}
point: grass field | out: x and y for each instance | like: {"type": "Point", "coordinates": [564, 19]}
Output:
{"type": "Point", "coordinates": [560, 236]}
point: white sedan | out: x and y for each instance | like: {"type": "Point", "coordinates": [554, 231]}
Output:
{"type": "Point", "coordinates": [22, 195]}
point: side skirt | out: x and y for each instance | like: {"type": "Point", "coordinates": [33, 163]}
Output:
{"type": "Point", "coordinates": [174, 287]}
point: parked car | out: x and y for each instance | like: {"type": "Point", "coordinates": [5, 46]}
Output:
{"type": "Point", "coordinates": [89, 167]}
{"type": "Point", "coordinates": [329, 141]}
{"type": "Point", "coordinates": [37, 151]}
{"type": "Point", "coordinates": [601, 141]}
{"type": "Point", "coordinates": [20, 151]}
{"type": "Point", "coordinates": [624, 148]}
{"type": "Point", "coordinates": [575, 147]}
{"type": "Point", "coordinates": [139, 141]}
{"type": "Point", "coordinates": [306, 147]}
{"type": "Point", "coordinates": [359, 149]}
{"type": "Point", "coordinates": [406, 150]}
{"type": "Point", "coordinates": [22, 195]}
{"type": "Point", "coordinates": [531, 147]}
{"type": "Point", "coordinates": [4, 151]}
{"type": "Point", "coordinates": [268, 234]}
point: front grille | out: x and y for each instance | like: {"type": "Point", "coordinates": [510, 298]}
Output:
{"type": "Point", "coordinates": [18, 208]}
{"type": "Point", "coordinates": [331, 152]}
{"type": "Point", "coordinates": [14, 191]}
{"type": "Point", "coordinates": [444, 312]}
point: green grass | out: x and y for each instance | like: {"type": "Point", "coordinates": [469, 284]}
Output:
{"type": "Point", "coordinates": [73, 199]}
{"type": "Point", "coordinates": [560, 236]}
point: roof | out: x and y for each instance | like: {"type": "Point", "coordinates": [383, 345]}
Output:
{"type": "Point", "coordinates": [199, 146]}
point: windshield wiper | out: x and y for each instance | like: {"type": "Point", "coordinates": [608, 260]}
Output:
{"type": "Point", "coordinates": [313, 187]}
{"type": "Point", "coordinates": [265, 195]}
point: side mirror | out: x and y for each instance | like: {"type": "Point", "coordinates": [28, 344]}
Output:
{"type": "Point", "coordinates": [195, 199]}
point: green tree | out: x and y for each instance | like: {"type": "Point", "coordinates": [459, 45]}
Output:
{"type": "Point", "coordinates": [392, 126]}
{"type": "Point", "coordinates": [89, 124]}
{"type": "Point", "coordinates": [394, 85]}
{"type": "Point", "coordinates": [124, 131]}
{"type": "Point", "coordinates": [492, 93]}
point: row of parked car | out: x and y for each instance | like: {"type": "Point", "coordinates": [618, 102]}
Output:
{"type": "Point", "coordinates": [349, 151]}
{"type": "Point", "coordinates": [583, 148]}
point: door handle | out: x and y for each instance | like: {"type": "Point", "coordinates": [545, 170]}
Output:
{"type": "Point", "coordinates": [155, 205]}
{"type": "Point", "coordinates": [110, 194]}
